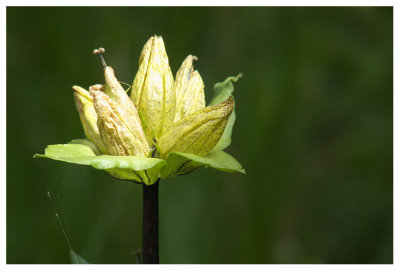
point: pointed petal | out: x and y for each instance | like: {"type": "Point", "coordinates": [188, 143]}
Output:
{"type": "Point", "coordinates": [189, 90]}
{"type": "Point", "coordinates": [117, 94]}
{"type": "Point", "coordinates": [152, 89]}
{"type": "Point", "coordinates": [140, 77]}
{"type": "Point", "coordinates": [121, 136]}
{"type": "Point", "coordinates": [88, 116]}
{"type": "Point", "coordinates": [197, 133]}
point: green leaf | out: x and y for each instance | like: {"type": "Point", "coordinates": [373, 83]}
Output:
{"type": "Point", "coordinates": [139, 169]}
{"type": "Point", "coordinates": [76, 259]}
{"type": "Point", "coordinates": [222, 91]}
{"type": "Point", "coordinates": [181, 163]}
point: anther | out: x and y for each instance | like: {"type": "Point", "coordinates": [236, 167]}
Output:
{"type": "Point", "coordinates": [99, 52]}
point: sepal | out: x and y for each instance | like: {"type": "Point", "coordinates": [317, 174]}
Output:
{"type": "Point", "coordinates": [179, 163]}
{"type": "Point", "coordinates": [139, 169]}
{"type": "Point", "coordinates": [222, 91]}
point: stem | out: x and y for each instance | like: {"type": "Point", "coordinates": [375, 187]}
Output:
{"type": "Point", "coordinates": [150, 223]}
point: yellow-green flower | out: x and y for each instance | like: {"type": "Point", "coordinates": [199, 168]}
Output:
{"type": "Point", "coordinates": [163, 129]}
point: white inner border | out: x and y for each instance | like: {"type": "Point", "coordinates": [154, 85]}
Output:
{"type": "Point", "coordinates": [396, 130]}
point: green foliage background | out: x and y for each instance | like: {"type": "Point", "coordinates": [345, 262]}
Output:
{"type": "Point", "coordinates": [313, 131]}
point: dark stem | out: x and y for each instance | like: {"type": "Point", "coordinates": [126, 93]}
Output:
{"type": "Point", "coordinates": [150, 223]}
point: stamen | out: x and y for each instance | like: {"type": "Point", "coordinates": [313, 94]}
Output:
{"type": "Point", "coordinates": [99, 52]}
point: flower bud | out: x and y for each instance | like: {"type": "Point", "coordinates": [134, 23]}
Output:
{"type": "Point", "coordinates": [197, 133]}
{"type": "Point", "coordinates": [152, 89]}
{"type": "Point", "coordinates": [121, 136]}
{"type": "Point", "coordinates": [189, 89]}
{"type": "Point", "coordinates": [88, 116]}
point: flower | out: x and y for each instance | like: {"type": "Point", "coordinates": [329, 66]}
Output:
{"type": "Point", "coordinates": [163, 129]}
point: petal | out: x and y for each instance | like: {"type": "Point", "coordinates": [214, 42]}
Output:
{"type": "Point", "coordinates": [88, 116]}
{"type": "Point", "coordinates": [121, 136]}
{"type": "Point", "coordinates": [117, 94]}
{"type": "Point", "coordinates": [197, 133]}
{"type": "Point", "coordinates": [152, 89]}
{"type": "Point", "coordinates": [189, 89]}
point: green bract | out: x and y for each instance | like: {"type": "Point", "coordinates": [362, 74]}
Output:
{"type": "Point", "coordinates": [162, 130]}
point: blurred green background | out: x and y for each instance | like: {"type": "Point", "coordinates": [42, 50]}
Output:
{"type": "Point", "coordinates": [313, 131]}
